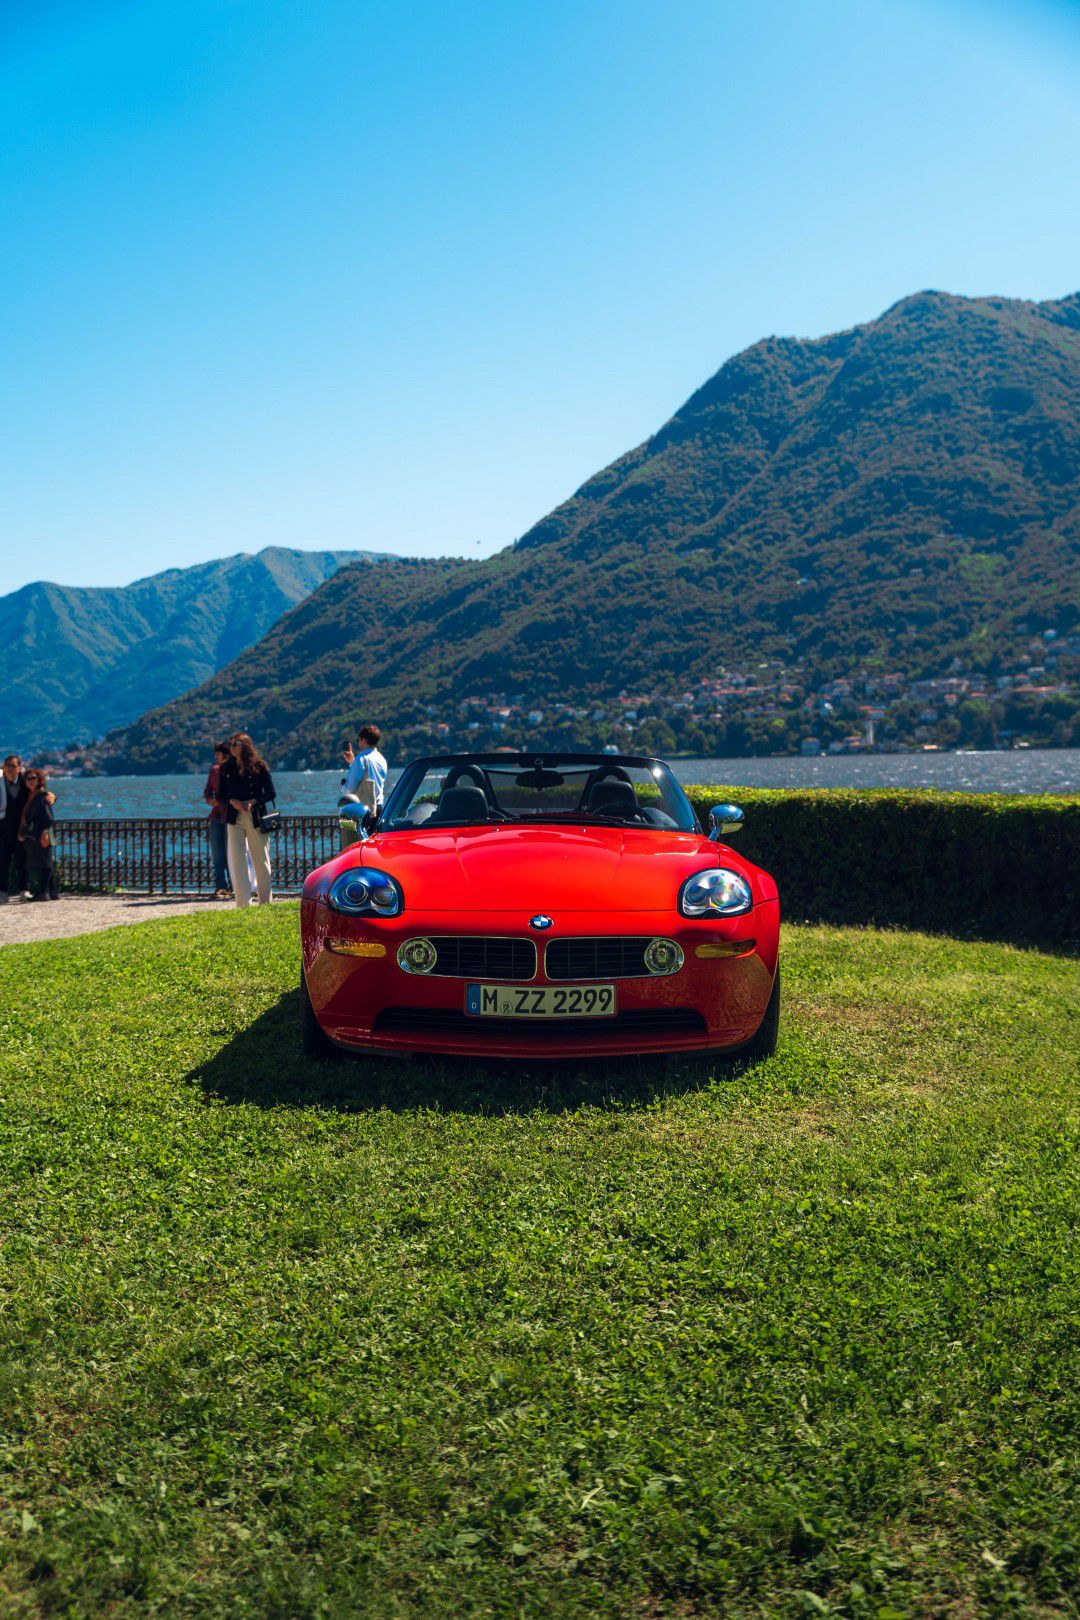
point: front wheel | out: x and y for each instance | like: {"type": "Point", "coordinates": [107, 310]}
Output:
{"type": "Point", "coordinates": [312, 1036]}
{"type": "Point", "coordinates": [763, 1043]}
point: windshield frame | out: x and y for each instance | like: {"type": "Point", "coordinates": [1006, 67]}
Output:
{"type": "Point", "coordinates": [414, 772]}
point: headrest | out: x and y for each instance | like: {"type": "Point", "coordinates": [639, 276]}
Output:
{"type": "Point", "coordinates": [464, 776]}
{"type": "Point", "coordinates": [464, 803]}
{"type": "Point", "coordinates": [612, 797]}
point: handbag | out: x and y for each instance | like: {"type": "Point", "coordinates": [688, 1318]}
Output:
{"type": "Point", "coordinates": [269, 819]}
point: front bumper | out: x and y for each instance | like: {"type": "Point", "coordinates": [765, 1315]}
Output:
{"type": "Point", "coordinates": [369, 1003]}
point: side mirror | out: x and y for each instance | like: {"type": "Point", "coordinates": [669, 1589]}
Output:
{"type": "Point", "coordinates": [724, 818]}
{"type": "Point", "coordinates": [356, 823]}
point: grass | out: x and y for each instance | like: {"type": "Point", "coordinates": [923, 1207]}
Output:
{"type": "Point", "coordinates": [395, 1339]}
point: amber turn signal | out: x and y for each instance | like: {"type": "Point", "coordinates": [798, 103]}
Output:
{"type": "Point", "coordinates": [725, 947]}
{"type": "Point", "coordinates": [355, 947]}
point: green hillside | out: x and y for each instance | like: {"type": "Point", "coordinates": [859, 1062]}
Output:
{"type": "Point", "coordinates": [895, 497]}
{"type": "Point", "coordinates": [79, 660]}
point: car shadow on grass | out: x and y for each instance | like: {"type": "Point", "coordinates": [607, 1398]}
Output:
{"type": "Point", "coordinates": [264, 1066]}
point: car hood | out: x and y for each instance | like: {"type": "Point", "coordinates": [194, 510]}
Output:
{"type": "Point", "coordinates": [512, 868]}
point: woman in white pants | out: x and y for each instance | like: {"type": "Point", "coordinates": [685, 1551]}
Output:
{"type": "Point", "coordinates": [244, 788]}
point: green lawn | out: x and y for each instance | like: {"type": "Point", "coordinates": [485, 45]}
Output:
{"type": "Point", "coordinates": [288, 1339]}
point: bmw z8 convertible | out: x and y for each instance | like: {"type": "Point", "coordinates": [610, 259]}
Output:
{"type": "Point", "coordinates": [540, 905]}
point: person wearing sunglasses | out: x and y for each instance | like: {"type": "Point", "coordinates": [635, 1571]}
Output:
{"type": "Point", "coordinates": [36, 837]}
{"type": "Point", "coordinates": [13, 795]}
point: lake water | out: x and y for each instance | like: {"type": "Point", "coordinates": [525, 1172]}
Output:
{"type": "Point", "coordinates": [1022, 770]}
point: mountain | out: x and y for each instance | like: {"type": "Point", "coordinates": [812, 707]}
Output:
{"type": "Point", "coordinates": [894, 497]}
{"type": "Point", "coordinates": [80, 661]}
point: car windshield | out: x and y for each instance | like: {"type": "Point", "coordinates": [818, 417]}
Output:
{"type": "Point", "coordinates": [464, 790]}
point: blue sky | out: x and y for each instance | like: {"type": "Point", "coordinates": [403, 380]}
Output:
{"type": "Point", "coordinates": [401, 276]}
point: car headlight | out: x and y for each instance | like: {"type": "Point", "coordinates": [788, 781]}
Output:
{"type": "Point", "coordinates": [716, 892]}
{"type": "Point", "coordinates": [364, 892]}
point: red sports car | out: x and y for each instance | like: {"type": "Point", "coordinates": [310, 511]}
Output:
{"type": "Point", "coordinates": [539, 905]}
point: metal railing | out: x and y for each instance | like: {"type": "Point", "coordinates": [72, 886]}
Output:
{"type": "Point", "coordinates": [146, 855]}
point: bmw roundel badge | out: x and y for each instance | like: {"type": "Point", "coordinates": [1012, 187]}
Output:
{"type": "Point", "coordinates": [540, 921]}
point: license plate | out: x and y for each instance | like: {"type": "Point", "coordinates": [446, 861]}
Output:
{"type": "Point", "coordinates": [545, 1001]}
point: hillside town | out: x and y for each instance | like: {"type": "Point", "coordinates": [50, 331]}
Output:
{"type": "Point", "coordinates": [769, 709]}
{"type": "Point", "coordinates": [778, 709]}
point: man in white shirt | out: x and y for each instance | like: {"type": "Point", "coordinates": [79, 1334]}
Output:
{"type": "Point", "coordinates": [367, 769]}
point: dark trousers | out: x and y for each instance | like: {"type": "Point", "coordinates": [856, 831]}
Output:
{"type": "Point", "coordinates": [216, 829]}
{"type": "Point", "coordinates": [41, 873]}
{"type": "Point", "coordinates": [12, 865]}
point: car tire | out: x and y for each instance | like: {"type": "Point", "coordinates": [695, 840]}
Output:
{"type": "Point", "coordinates": [763, 1043]}
{"type": "Point", "coordinates": [312, 1037]}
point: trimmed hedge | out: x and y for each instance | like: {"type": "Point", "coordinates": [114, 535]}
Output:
{"type": "Point", "coordinates": [991, 866]}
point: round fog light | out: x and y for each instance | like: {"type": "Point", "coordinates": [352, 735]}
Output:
{"type": "Point", "coordinates": [416, 956]}
{"type": "Point", "coordinates": [663, 956]}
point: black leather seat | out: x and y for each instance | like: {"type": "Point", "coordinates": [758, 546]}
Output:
{"type": "Point", "coordinates": [467, 776]}
{"type": "Point", "coordinates": [612, 797]}
{"type": "Point", "coordinates": [465, 802]}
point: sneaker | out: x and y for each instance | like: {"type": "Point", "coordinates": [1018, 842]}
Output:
{"type": "Point", "coordinates": [26, 895]}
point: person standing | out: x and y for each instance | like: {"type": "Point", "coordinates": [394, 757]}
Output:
{"type": "Point", "coordinates": [12, 851]}
{"type": "Point", "coordinates": [366, 777]}
{"type": "Point", "coordinates": [216, 824]}
{"type": "Point", "coordinates": [244, 789]}
{"type": "Point", "coordinates": [36, 837]}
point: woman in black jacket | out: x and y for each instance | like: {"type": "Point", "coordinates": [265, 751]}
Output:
{"type": "Point", "coordinates": [244, 789]}
{"type": "Point", "coordinates": [36, 837]}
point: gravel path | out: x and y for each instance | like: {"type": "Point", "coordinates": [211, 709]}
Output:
{"type": "Point", "coordinates": [24, 920]}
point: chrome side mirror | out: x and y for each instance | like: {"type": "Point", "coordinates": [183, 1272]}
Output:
{"type": "Point", "coordinates": [724, 818]}
{"type": "Point", "coordinates": [356, 826]}
{"type": "Point", "coordinates": [350, 829]}
{"type": "Point", "coordinates": [351, 818]}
